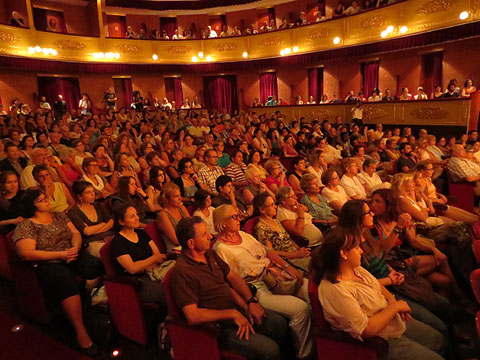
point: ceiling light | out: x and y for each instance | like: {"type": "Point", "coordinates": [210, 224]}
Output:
{"type": "Point", "coordinates": [115, 353]}
{"type": "Point", "coordinates": [282, 52]}
{"type": "Point", "coordinates": [384, 33]}
{"type": "Point", "coordinates": [31, 50]}
{"type": "Point", "coordinates": [463, 15]}
{"type": "Point", "coordinates": [389, 29]}
{"type": "Point", "coordinates": [209, 58]}
{"type": "Point", "coordinates": [117, 55]}
{"type": "Point", "coordinates": [53, 52]}
{"type": "Point", "coordinates": [245, 54]}
{"type": "Point", "coordinates": [288, 51]}
{"type": "Point", "coordinates": [38, 49]}
{"type": "Point", "coordinates": [336, 40]}
{"type": "Point", "coordinates": [45, 51]}
{"type": "Point", "coordinates": [403, 29]}
{"type": "Point", "coordinates": [295, 49]}
{"type": "Point", "coordinates": [109, 55]}
{"type": "Point", "coordinates": [200, 54]}
{"type": "Point", "coordinates": [155, 57]}
{"type": "Point", "coordinates": [194, 59]}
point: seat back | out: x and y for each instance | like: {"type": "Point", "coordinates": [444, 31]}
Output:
{"type": "Point", "coordinates": [463, 192]}
{"type": "Point", "coordinates": [476, 249]}
{"type": "Point", "coordinates": [154, 232]}
{"type": "Point", "coordinates": [5, 270]}
{"type": "Point", "coordinates": [107, 260]}
{"type": "Point", "coordinates": [249, 226]}
{"type": "Point", "coordinates": [287, 163]}
{"type": "Point", "coordinates": [318, 318]}
{"type": "Point", "coordinates": [475, 283]}
{"type": "Point", "coordinates": [191, 209]}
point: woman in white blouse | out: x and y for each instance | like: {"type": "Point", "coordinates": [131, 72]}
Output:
{"type": "Point", "coordinates": [350, 183]}
{"type": "Point", "coordinates": [333, 193]}
{"type": "Point", "coordinates": [203, 203]}
{"type": "Point", "coordinates": [295, 217]}
{"type": "Point", "coordinates": [248, 258]}
{"type": "Point", "coordinates": [317, 164]}
{"type": "Point", "coordinates": [369, 178]}
{"type": "Point", "coordinates": [355, 302]}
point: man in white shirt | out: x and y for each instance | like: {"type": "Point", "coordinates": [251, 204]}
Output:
{"type": "Point", "coordinates": [211, 34]}
{"type": "Point", "coordinates": [369, 178]}
{"type": "Point", "coordinates": [177, 35]}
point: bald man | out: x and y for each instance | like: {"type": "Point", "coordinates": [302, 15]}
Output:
{"type": "Point", "coordinates": [463, 169]}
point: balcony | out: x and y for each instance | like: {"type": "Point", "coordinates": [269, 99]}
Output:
{"type": "Point", "coordinates": [394, 21]}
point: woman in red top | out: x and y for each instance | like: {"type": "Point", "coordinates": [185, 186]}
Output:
{"type": "Point", "coordinates": [276, 177]}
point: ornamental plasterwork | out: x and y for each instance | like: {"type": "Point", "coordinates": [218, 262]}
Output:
{"type": "Point", "coordinates": [321, 114]}
{"type": "Point", "coordinates": [373, 113]}
{"type": "Point", "coordinates": [228, 46]}
{"type": "Point", "coordinates": [272, 41]}
{"type": "Point", "coordinates": [373, 22]}
{"type": "Point", "coordinates": [435, 6]}
{"type": "Point", "coordinates": [128, 49]}
{"type": "Point", "coordinates": [430, 113]}
{"type": "Point", "coordinates": [69, 45]}
{"type": "Point", "coordinates": [8, 37]}
{"type": "Point", "coordinates": [179, 49]}
{"type": "Point", "coordinates": [319, 34]}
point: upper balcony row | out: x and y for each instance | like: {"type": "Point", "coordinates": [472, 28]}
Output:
{"type": "Point", "coordinates": [309, 32]}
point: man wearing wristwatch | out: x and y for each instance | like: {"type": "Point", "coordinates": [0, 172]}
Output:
{"type": "Point", "coordinates": [207, 290]}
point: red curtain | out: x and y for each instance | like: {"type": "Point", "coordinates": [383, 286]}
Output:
{"type": "Point", "coordinates": [268, 86]}
{"type": "Point", "coordinates": [220, 92]}
{"type": "Point", "coordinates": [271, 13]}
{"type": "Point", "coordinates": [321, 7]}
{"type": "Point", "coordinates": [432, 70]}
{"type": "Point", "coordinates": [370, 77]}
{"type": "Point", "coordinates": [51, 87]}
{"type": "Point", "coordinates": [315, 83]}
{"type": "Point", "coordinates": [128, 91]}
{"type": "Point", "coordinates": [174, 91]}
{"type": "Point", "coordinates": [169, 24]}
{"type": "Point", "coordinates": [123, 90]}
{"type": "Point", "coordinates": [42, 18]}
{"type": "Point", "coordinates": [117, 27]}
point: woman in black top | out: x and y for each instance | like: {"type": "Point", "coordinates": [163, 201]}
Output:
{"type": "Point", "coordinates": [295, 176]}
{"type": "Point", "coordinates": [134, 252]}
{"type": "Point", "coordinates": [10, 204]}
{"type": "Point", "coordinates": [129, 192]}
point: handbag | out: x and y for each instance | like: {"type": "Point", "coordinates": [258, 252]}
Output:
{"type": "Point", "coordinates": [417, 288]}
{"type": "Point", "coordinates": [280, 282]}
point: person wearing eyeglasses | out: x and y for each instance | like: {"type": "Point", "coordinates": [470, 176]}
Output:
{"type": "Point", "coordinates": [333, 193]}
{"type": "Point", "coordinates": [101, 186]}
{"type": "Point", "coordinates": [209, 174]}
{"type": "Point", "coordinates": [226, 195]}
{"type": "Point", "coordinates": [249, 259]}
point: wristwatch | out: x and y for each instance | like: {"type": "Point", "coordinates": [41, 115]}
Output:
{"type": "Point", "coordinates": [397, 230]}
{"type": "Point", "coordinates": [253, 299]}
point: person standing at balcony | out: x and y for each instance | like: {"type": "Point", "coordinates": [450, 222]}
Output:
{"type": "Point", "coordinates": [405, 95]}
{"type": "Point", "coordinates": [177, 35]}
{"type": "Point", "coordinates": [130, 34]}
{"type": "Point", "coordinates": [251, 30]}
{"type": "Point", "coordinates": [357, 113]}
{"type": "Point", "coordinates": [451, 93]}
{"type": "Point", "coordinates": [388, 96]}
{"type": "Point", "coordinates": [468, 88]}
{"type": "Point", "coordinates": [211, 34]}
{"type": "Point", "coordinates": [264, 28]}
{"type": "Point", "coordinates": [420, 94]}
{"type": "Point", "coordinates": [224, 32]}
{"type": "Point", "coordinates": [353, 9]}
{"type": "Point", "coordinates": [110, 99]}
{"type": "Point", "coordinates": [44, 105]}
{"type": "Point", "coordinates": [143, 35]}
{"type": "Point", "coordinates": [17, 20]}
{"type": "Point", "coordinates": [60, 107]}
{"type": "Point", "coordinates": [85, 105]}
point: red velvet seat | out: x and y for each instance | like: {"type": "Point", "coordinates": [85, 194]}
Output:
{"type": "Point", "coordinates": [287, 163]}
{"type": "Point", "coordinates": [126, 308]}
{"type": "Point", "coordinates": [462, 192]}
{"type": "Point", "coordinates": [249, 226]}
{"type": "Point", "coordinates": [476, 249]}
{"type": "Point", "coordinates": [27, 289]}
{"type": "Point", "coordinates": [188, 341]}
{"type": "Point", "coordinates": [475, 283]}
{"type": "Point", "coordinates": [5, 270]}
{"type": "Point", "coordinates": [154, 232]}
{"type": "Point", "coordinates": [339, 345]}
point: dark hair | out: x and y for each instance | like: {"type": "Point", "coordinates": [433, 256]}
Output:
{"type": "Point", "coordinates": [119, 211]}
{"type": "Point", "coordinates": [221, 181]}
{"type": "Point", "coordinates": [391, 205]}
{"type": "Point", "coordinates": [259, 202]}
{"type": "Point", "coordinates": [368, 162]}
{"type": "Point", "coordinates": [28, 201]}
{"type": "Point", "coordinates": [402, 146]}
{"type": "Point", "coordinates": [250, 157]}
{"type": "Point", "coordinates": [96, 147]}
{"type": "Point", "coordinates": [296, 160]}
{"type": "Point", "coordinates": [422, 165]}
{"type": "Point", "coordinates": [122, 187]}
{"type": "Point", "coordinates": [36, 170]}
{"type": "Point", "coordinates": [327, 175]}
{"type": "Point", "coordinates": [185, 230]}
{"type": "Point", "coordinates": [153, 176]}
{"type": "Point", "coordinates": [9, 145]}
{"type": "Point", "coordinates": [182, 163]}
{"type": "Point", "coordinates": [325, 261]}
{"type": "Point", "coordinates": [200, 197]}
{"type": "Point", "coordinates": [149, 157]}
{"type": "Point", "coordinates": [351, 216]}
{"type": "Point", "coordinates": [87, 161]}
{"type": "Point", "coordinates": [79, 187]}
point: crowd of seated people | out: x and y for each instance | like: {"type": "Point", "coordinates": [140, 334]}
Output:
{"type": "Point", "coordinates": [452, 91]}
{"type": "Point", "coordinates": [197, 174]}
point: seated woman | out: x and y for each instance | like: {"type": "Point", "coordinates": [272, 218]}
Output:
{"type": "Point", "coordinates": [69, 172]}
{"type": "Point", "coordinates": [129, 192]}
{"type": "Point", "coordinates": [199, 159]}
{"type": "Point", "coordinates": [254, 162]}
{"type": "Point", "coordinates": [123, 168]}
{"type": "Point", "coordinates": [288, 149]}
{"type": "Point", "coordinates": [248, 258]}
{"type": "Point", "coordinates": [176, 155]}
{"type": "Point", "coordinates": [102, 188]}
{"type": "Point", "coordinates": [90, 218]}
{"type": "Point", "coordinates": [369, 178]}
{"type": "Point", "coordinates": [105, 164]}
{"type": "Point", "coordinates": [295, 217]}
{"type": "Point", "coordinates": [276, 177]}
{"type": "Point", "coordinates": [322, 214]}
{"type": "Point", "coordinates": [50, 240]}
{"type": "Point", "coordinates": [134, 252]}
{"type": "Point", "coordinates": [223, 157]}
{"type": "Point", "coordinates": [350, 183]}
{"type": "Point", "coordinates": [452, 212]}
{"type": "Point", "coordinates": [271, 233]}
{"type": "Point", "coordinates": [468, 88]}
{"type": "Point", "coordinates": [255, 186]}
{"type": "Point", "coordinates": [294, 177]}
{"type": "Point", "coordinates": [392, 151]}
{"type": "Point", "coordinates": [154, 189]}
{"type": "Point", "coordinates": [354, 301]}
{"type": "Point", "coordinates": [56, 192]}
{"type": "Point", "coordinates": [187, 181]}
{"type": "Point", "coordinates": [333, 193]}
{"type": "Point", "coordinates": [10, 202]}
{"type": "Point", "coordinates": [204, 209]}
{"type": "Point", "coordinates": [171, 213]}
{"type": "Point", "coordinates": [79, 151]}
{"type": "Point", "coordinates": [188, 148]}
{"type": "Point", "coordinates": [317, 164]}
{"type": "Point", "coordinates": [236, 170]}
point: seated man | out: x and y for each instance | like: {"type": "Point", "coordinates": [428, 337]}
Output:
{"type": "Point", "coordinates": [207, 290]}
{"type": "Point", "coordinates": [463, 169]}
{"type": "Point", "coordinates": [226, 195]}
{"type": "Point", "coordinates": [209, 174]}
{"type": "Point", "coordinates": [407, 160]}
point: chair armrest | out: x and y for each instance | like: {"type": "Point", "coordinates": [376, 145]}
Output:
{"type": "Point", "coordinates": [211, 329]}
{"type": "Point", "coordinates": [127, 280]}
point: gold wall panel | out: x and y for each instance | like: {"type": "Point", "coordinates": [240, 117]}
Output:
{"type": "Point", "coordinates": [425, 112]}
{"type": "Point", "coordinates": [366, 27]}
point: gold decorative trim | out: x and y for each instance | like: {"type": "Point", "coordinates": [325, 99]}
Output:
{"type": "Point", "coordinates": [69, 45]}
{"type": "Point", "coordinates": [272, 41]}
{"type": "Point", "coordinates": [373, 22]}
{"type": "Point", "coordinates": [128, 49]}
{"type": "Point", "coordinates": [228, 46]}
{"type": "Point", "coordinates": [321, 114]}
{"type": "Point", "coordinates": [430, 113]}
{"type": "Point", "coordinates": [371, 113]}
{"type": "Point", "coordinates": [8, 37]}
{"type": "Point", "coordinates": [318, 34]}
{"type": "Point", "coordinates": [179, 49]}
{"type": "Point", "coordinates": [434, 6]}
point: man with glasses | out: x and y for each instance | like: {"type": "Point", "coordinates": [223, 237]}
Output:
{"type": "Point", "coordinates": [39, 157]}
{"type": "Point", "coordinates": [210, 173]}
